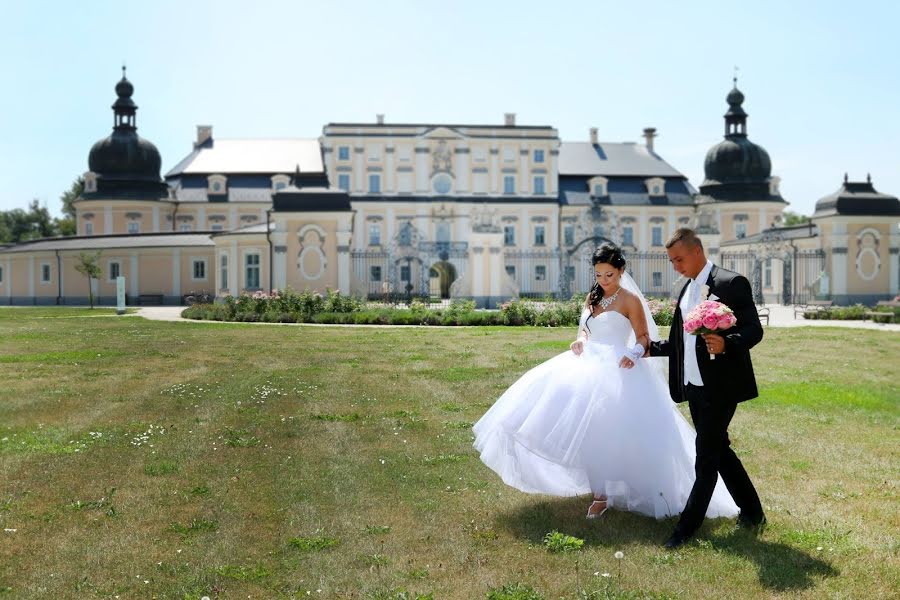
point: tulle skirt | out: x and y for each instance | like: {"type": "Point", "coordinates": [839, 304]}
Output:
{"type": "Point", "coordinates": [581, 424]}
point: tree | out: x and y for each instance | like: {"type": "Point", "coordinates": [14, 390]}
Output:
{"type": "Point", "coordinates": [66, 225]}
{"type": "Point", "coordinates": [792, 218]}
{"type": "Point", "coordinates": [89, 266]}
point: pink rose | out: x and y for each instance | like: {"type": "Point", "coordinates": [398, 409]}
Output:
{"type": "Point", "coordinates": [710, 320]}
{"type": "Point", "coordinates": [723, 323]}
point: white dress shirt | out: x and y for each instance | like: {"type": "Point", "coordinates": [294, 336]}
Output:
{"type": "Point", "coordinates": [689, 300]}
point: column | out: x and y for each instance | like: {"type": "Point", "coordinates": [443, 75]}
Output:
{"type": "Point", "coordinates": [343, 262]}
{"type": "Point", "coordinates": [133, 270]}
{"type": "Point", "coordinates": [107, 220]}
{"type": "Point", "coordinates": [234, 267]}
{"type": "Point", "coordinates": [279, 258]}
{"type": "Point", "coordinates": [155, 219]}
{"type": "Point", "coordinates": [31, 277]}
{"type": "Point", "coordinates": [176, 272]}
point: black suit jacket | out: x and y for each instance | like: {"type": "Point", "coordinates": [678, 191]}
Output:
{"type": "Point", "coordinates": [730, 375]}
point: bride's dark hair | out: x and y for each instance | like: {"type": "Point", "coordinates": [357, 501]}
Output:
{"type": "Point", "coordinates": [611, 255]}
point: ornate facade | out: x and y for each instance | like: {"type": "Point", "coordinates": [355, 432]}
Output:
{"type": "Point", "coordinates": [487, 212]}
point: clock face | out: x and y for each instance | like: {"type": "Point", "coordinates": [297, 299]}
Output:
{"type": "Point", "coordinates": [442, 183]}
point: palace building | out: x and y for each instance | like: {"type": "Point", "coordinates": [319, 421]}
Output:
{"type": "Point", "coordinates": [481, 211]}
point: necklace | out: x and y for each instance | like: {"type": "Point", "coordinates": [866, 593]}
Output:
{"type": "Point", "coordinates": [605, 302]}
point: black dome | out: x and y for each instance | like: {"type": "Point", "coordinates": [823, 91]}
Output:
{"type": "Point", "coordinates": [737, 169]}
{"type": "Point", "coordinates": [126, 165]}
{"type": "Point", "coordinates": [124, 155]}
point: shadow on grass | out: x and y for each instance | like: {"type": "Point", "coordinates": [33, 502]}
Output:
{"type": "Point", "coordinates": [780, 567]}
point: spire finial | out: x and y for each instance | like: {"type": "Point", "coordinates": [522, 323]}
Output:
{"type": "Point", "coordinates": [868, 178]}
{"type": "Point", "coordinates": [123, 70]}
{"type": "Point", "coordinates": [845, 177]}
{"type": "Point", "coordinates": [734, 78]}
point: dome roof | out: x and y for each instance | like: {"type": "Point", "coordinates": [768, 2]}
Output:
{"type": "Point", "coordinates": [126, 165]}
{"type": "Point", "coordinates": [736, 169]}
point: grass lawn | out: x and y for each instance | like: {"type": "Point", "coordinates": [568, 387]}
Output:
{"type": "Point", "coordinates": [146, 459]}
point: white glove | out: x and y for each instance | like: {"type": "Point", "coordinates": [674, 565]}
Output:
{"type": "Point", "coordinates": [635, 352]}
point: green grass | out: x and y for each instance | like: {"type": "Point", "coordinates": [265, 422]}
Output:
{"type": "Point", "coordinates": [239, 460]}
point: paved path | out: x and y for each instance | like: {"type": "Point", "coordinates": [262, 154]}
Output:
{"type": "Point", "coordinates": [779, 316]}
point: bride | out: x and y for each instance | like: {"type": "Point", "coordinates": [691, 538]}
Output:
{"type": "Point", "coordinates": [599, 419]}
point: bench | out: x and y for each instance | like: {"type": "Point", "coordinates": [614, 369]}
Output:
{"type": "Point", "coordinates": [882, 314]}
{"type": "Point", "coordinates": [763, 314]}
{"type": "Point", "coordinates": [150, 299]}
{"type": "Point", "coordinates": [815, 306]}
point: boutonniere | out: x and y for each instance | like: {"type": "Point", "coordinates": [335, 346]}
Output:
{"type": "Point", "coordinates": [704, 291]}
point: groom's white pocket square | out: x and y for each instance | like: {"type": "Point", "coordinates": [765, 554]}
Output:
{"type": "Point", "coordinates": [713, 297]}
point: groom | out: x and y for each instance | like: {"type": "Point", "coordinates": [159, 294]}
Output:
{"type": "Point", "coordinates": [712, 388]}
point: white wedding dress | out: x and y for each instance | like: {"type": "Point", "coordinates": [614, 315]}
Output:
{"type": "Point", "coordinates": [581, 424]}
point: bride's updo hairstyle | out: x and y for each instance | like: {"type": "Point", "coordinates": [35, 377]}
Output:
{"type": "Point", "coordinates": [609, 254]}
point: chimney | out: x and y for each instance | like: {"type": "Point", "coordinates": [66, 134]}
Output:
{"type": "Point", "coordinates": [204, 134]}
{"type": "Point", "coordinates": [379, 119]}
{"type": "Point", "coordinates": [509, 119]}
{"type": "Point", "coordinates": [594, 136]}
{"type": "Point", "coordinates": [649, 134]}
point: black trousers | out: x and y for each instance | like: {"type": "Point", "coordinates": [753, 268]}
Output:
{"type": "Point", "coordinates": [715, 457]}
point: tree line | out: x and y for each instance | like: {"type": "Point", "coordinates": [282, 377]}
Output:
{"type": "Point", "coordinates": [20, 225]}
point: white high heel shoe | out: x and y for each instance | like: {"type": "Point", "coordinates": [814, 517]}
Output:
{"type": "Point", "coordinates": [596, 515]}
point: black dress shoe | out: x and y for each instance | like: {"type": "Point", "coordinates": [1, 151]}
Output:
{"type": "Point", "coordinates": [754, 525]}
{"type": "Point", "coordinates": [676, 540]}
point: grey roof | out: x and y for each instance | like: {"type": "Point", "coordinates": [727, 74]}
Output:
{"type": "Point", "coordinates": [249, 229]}
{"type": "Point", "coordinates": [104, 242]}
{"type": "Point", "coordinates": [235, 194]}
{"type": "Point", "coordinates": [609, 159]}
{"type": "Point", "coordinates": [794, 232]}
{"type": "Point", "coordinates": [577, 198]}
{"type": "Point", "coordinates": [252, 156]}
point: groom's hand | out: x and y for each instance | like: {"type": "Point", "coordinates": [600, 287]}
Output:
{"type": "Point", "coordinates": [715, 344]}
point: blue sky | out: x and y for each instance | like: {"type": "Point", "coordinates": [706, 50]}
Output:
{"type": "Point", "coordinates": [820, 78]}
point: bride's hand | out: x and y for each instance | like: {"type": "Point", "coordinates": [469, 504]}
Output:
{"type": "Point", "coordinates": [626, 363]}
{"type": "Point", "coordinates": [577, 346]}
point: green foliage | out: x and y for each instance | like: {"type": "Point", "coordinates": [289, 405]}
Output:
{"type": "Point", "coordinates": [514, 591]}
{"type": "Point", "coordinates": [560, 542]}
{"type": "Point", "coordinates": [792, 218]}
{"type": "Point", "coordinates": [313, 544]}
{"type": "Point", "coordinates": [89, 265]}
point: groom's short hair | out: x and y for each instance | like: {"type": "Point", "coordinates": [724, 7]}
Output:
{"type": "Point", "coordinates": [687, 236]}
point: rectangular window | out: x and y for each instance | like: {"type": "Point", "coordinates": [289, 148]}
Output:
{"type": "Point", "coordinates": [540, 273]}
{"type": "Point", "coordinates": [509, 184]}
{"type": "Point", "coordinates": [628, 235]}
{"type": "Point", "coordinates": [767, 273]}
{"type": "Point", "coordinates": [216, 227]}
{"type": "Point", "coordinates": [134, 227]}
{"type": "Point", "coordinates": [657, 236]}
{"type": "Point", "coordinates": [88, 228]}
{"type": "Point", "coordinates": [343, 152]}
{"type": "Point", "coordinates": [509, 235]}
{"type": "Point", "coordinates": [404, 272]}
{"type": "Point", "coordinates": [511, 271]}
{"type": "Point", "coordinates": [570, 273]}
{"type": "Point", "coordinates": [442, 232]}
{"type": "Point", "coordinates": [374, 234]}
{"type": "Point", "coordinates": [405, 237]}
{"type": "Point", "coordinates": [657, 279]}
{"type": "Point", "coordinates": [539, 185]}
{"type": "Point", "coordinates": [115, 269]}
{"type": "Point", "coordinates": [538, 156]}
{"type": "Point", "coordinates": [598, 191]}
{"type": "Point", "coordinates": [740, 230]}
{"type": "Point", "coordinates": [538, 235]}
{"type": "Point", "coordinates": [45, 273]}
{"type": "Point", "coordinates": [344, 181]}
{"type": "Point", "coordinates": [375, 273]}
{"type": "Point", "coordinates": [251, 271]}
{"type": "Point", "coordinates": [223, 272]}
{"type": "Point", "coordinates": [1, 274]}
{"type": "Point", "coordinates": [374, 184]}
{"type": "Point", "coordinates": [199, 269]}
{"type": "Point", "coordinates": [185, 227]}
{"type": "Point", "coordinates": [569, 235]}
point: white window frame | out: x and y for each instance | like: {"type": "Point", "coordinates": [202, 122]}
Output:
{"type": "Point", "coordinates": [375, 177]}
{"type": "Point", "coordinates": [280, 181]}
{"type": "Point", "coordinates": [767, 273]}
{"type": "Point", "coordinates": [509, 185]}
{"type": "Point", "coordinates": [543, 230]}
{"type": "Point", "coordinates": [223, 271]}
{"type": "Point", "coordinates": [740, 230]}
{"type": "Point", "coordinates": [598, 186]}
{"type": "Point", "coordinates": [509, 240]}
{"type": "Point", "coordinates": [656, 186]}
{"type": "Point", "coordinates": [539, 155]}
{"type": "Point", "coordinates": [185, 227]}
{"type": "Point", "coordinates": [372, 273]}
{"type": "Point", "coordinates": [657, 279]}
{"type": "Point", "coordinates": [133, 227]}
{"type": "Point", "coordinates": [340, 153]}
{"type": "Point", "coordinates": [217, 227]}
{"type": "Point", "coordinates": [46, 268]}
{"type": "Point", "coordinates": [374, 228]}
{"type": "Point", "coordinates": [569, 234]}
{"type": "Point", "coordinates": [540, 272]}
{"type": "Point", "coordinates": [88, 228]}
{"type": "Point", "coordinates": [211, 182]}
{"type": "Point", "coordinates": [247, 254]}
{"type": "Point", "coordinates": [656, 240]}
{"type": "Point", "coordinates": [195, 260]}
{"type": "Point", "coordinates": [627, 240]}
{"type": "Point", "coordinates": [540, 179]}
{"type": "Point", "coordinates": [342, 177]}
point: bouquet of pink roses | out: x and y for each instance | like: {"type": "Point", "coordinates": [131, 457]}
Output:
{"type": "Point", "coordinates": [709, 317]}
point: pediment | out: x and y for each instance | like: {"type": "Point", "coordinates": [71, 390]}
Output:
{"type": "Point", "coordinates": [443, 133]}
